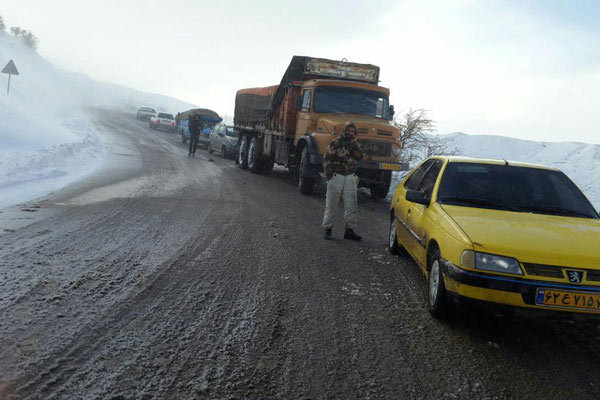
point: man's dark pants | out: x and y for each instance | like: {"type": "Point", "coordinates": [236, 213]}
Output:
{"type": "Point", "coordinates": [193, 144]}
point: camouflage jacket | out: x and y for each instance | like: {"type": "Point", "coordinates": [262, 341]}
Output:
{"type": "Point", "coordinates": [341, 157]}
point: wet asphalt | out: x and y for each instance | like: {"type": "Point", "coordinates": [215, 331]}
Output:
{"type": "Point", "coordinates": [169, 277]}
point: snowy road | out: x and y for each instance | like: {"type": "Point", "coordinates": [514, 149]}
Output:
{"type": "Point", "coordinates": [167, 277]}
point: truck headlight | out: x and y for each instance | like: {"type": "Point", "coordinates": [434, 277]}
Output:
{"type": "Point", "coordinates": [490, 262]}
{"type": "Point", "coordinates": [396, 150]}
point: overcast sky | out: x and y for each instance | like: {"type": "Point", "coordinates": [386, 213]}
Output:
{"type": "Point", "coordinates": [527, 69]}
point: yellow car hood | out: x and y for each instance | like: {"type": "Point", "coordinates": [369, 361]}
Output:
{"type": "Point", "coordinates": [533, 238]}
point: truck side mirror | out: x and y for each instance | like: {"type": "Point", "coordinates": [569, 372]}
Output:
{"type": "Point", "coordinates": [299, 99]}
{"type": "Point", "coordinates": [391, 111]}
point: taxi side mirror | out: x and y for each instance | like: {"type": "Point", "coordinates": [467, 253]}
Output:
{"type": "Point", "coordinates": [415, 196]}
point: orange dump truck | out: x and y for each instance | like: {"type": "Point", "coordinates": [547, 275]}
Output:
{"type": "Point", "coordinates": [291, 124]}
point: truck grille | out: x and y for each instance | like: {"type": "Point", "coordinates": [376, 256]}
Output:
{"type": "Point", "coordinates": [384, 133]}
{"type": "Point", "coordinates": [362, 131]}
{"type": "Point", "coordinates": [377, 149]}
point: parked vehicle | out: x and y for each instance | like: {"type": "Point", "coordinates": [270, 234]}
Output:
{"type": "Point", "coordinates": [208, 119]}
{"type": "Point", "coordinates": [163, 121]}
{"type": "Point", "coordinates": [509, 234]}
{"type": "Point", "coordinates": [224, 140]}
{"type": "Point", "coordinates": [145, 113]}
{"type": "Point", "coordinates": [292, 123]}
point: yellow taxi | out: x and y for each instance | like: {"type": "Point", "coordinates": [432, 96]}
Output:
{"type": "Point", "coordinates": [489, 231]}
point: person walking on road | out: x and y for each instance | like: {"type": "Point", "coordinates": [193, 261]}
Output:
{"type": "Point", "coordinates": [340, 166]}
{"type": "Point", "coordinates": [194, 127]}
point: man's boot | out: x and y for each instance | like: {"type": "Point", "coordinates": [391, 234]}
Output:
{"type": "Point", "coordinates": [350, 235]}
{"type": "Point", "coordinates": [327, 235]}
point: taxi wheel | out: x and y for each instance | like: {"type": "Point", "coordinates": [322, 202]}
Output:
{"type": "Point", "coordinates": [437, 300]}
{"type": "Point", "coordinates": [393, 245]}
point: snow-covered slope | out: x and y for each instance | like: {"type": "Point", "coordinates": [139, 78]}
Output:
{"type": "Point", "coordinates": [46, 137]}
{"type": "Point", "coordinates": [580, 161]}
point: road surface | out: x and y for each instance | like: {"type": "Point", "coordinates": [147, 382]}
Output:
{"type": "Point", "coordinates": [169, 277]}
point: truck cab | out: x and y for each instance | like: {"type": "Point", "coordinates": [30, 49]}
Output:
{"type": "Point", "coordinates": [293, 123]}
{"type": "Point", "coordinates": [324, 106]}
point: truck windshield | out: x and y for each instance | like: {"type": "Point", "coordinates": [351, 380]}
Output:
{"type": "Point", "coordinates": [511, 188]}
{"type": "Point", "coordinates": [350, 100]}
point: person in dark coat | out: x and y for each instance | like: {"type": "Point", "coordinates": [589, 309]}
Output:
{"type": "Point", "coordinates": [194, 126]}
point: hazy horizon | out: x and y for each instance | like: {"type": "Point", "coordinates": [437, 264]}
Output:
{"type": "Point", "coordinates": [525, 70]}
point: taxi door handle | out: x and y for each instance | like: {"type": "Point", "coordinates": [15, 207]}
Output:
{"type": "Point", "coordinates": [408, 211]}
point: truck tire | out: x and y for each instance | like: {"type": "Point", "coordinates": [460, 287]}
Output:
{"type": "Point", "coordinates": [242, 157]}
{"type": "Point", "coordinates": [305, 184]}
{"type": "Point", "coordinates": [254, 162]}
{"type": "Point", "coordinates": [379, 191]}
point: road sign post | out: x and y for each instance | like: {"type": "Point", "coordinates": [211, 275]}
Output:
{"type": "Point", "coordinates": [10, 69]}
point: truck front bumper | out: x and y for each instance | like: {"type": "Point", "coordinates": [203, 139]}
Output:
{"type": "Point", "coordinates": [383, 165]}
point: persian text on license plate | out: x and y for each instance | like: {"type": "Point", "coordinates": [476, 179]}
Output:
{"type": "Point", "coordinates": [560, 298]}
{"type": "Point", "coordinates": [390, 166]}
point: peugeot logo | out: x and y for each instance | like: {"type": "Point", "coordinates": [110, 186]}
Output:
{"type": "Point", "coordinates": [574, 276]}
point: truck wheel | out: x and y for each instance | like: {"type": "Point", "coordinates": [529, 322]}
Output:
{"type": "Point", "coordinates": [379, 191]}
{"type": "Point", "coordinates": [254, 156]}
{"type": "Point", "coordinates": [305, 184]}
{"type": "Point", "coordinates": [242, 157]}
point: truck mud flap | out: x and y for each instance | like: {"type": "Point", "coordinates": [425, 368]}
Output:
{"type": "Point", "coordinates": [315, 159]}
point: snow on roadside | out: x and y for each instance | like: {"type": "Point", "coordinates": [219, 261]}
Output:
{"type": "Point", "coordinates": [46, 140]}
{"type": "Point", "coordinates": [27, 175]}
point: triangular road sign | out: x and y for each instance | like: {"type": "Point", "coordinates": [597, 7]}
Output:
{"type": "Point", "coordinates": [10, 68]}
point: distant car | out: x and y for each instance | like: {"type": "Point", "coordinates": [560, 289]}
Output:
{"type": "Point", "coordinates": [204, 138]}
{"type": "Point", "coordinates": [499, 233]}
{"type": "Point", "coordinates": [163, 121]}
{"type": "Point", "coordinates": [145, 113]}
{"type": "Point", "coordinates": [223, 139]}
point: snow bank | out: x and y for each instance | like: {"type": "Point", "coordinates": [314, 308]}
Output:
{"type": "Point", "coordinates": [580, 161]}
{"type": "Point", "coordinates": [46, 138]}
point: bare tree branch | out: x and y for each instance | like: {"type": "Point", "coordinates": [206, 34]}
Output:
{"type": "Point", "coordinates": [416, 135]}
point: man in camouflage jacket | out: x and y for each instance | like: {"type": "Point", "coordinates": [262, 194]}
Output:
{"type": "Point", "coordinates": [340, 164]}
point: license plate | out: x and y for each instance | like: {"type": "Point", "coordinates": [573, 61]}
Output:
{"type": "Point", "coordinates": [396, 167]}
{"type": "Point", "coordinates": [560, 298]}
